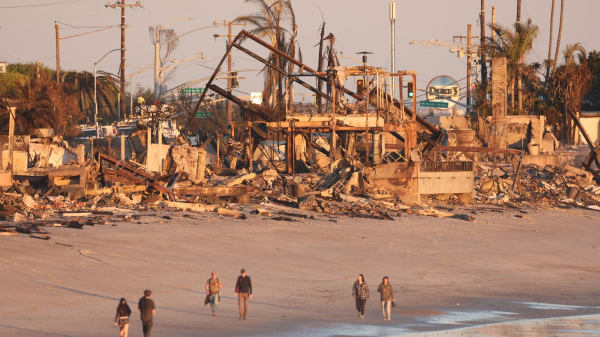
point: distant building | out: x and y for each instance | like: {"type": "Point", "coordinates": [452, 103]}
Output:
{"type": "Point", "coordinates": [2, 67]}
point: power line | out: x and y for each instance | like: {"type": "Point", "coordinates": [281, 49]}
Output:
{"type": "Point", "coordinates": [57, 3]}
{"type": "Point", "coordinates": [83, 27]}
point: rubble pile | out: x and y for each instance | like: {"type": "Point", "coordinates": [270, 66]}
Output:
{"type": "Point", "coordinates": [537, 186]}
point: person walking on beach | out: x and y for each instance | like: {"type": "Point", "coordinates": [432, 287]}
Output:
{"type": "Point", "coordinates": [147, 309]}
{"type": "Point", "coordinates": [213, 290]}
{"type": "Point", "coordinates": [243, 290]}
{"type": "Point", "coordinates": [387, 297]}
{"type": "Point", "coordinates": [122, 317]}
{"type": "Point", "coordinates": [360, 292]}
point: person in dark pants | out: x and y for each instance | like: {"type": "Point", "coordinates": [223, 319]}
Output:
{"type": "Point", "coordinates": [360, 292]}
{"type": "Point", "coordinates": [122, 317]}
{"type": "Point", "coordinates": [243, 290]}
{"type": "Point", "coordinates": [147, 309]}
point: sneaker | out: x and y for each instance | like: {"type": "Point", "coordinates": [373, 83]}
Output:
{"type": "Point", "coordinates": [214, 314]}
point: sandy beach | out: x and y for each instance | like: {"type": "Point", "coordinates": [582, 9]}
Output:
{"type": "Point", "coordinates": [444, 272]}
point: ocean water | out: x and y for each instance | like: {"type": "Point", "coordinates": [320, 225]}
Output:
{"type": "Point", "coordinates": [469, 324]}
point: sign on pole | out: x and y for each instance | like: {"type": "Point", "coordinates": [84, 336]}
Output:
{"type": "Point", "coordinates": [446, 87]}
{"type": "Point", "coordinates": [204, 114]}
{"type": "Point", "coordinates": [192, 91]}
{"type": "Point", "coordinates": [439, 105]}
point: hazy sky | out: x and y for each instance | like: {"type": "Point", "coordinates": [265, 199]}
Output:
{"type": "Point", "coordinates": [27, 33]}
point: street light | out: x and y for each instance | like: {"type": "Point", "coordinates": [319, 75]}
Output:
{"type": "Point", "coordinates": [177, 63]}
{"type": "Point", "coordinates": [95, 92]}
{"type": "Point", "coordinates": [157, 56]}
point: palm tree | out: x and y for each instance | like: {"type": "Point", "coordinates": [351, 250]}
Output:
{"type": "Point", "coordinates": [560, 28]}
{"type": "Point", "coordinates": [568, 85]}
{"type": "Point", "coordinates": [514, 44]}
{"type": "Point", "coordinates": [549, 60]}
{"type": "Point", "coordinates": [82, 83]}
{"type": "Point", "coordinates": [268, 23]}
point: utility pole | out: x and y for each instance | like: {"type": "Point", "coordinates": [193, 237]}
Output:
{"type": "Point", "coordinates": [57, 53]}
{"type": "Point", "coordinates": [469, 53]}
{"type": "Point", "coordinates": [123, 6]}
{"type": "Point", "coordinates": [230, 25]}
{"type": "Point", "coordinates": [58, 38]}
{"type": "Point", "coordinates": [493, 22]}
{"type": "Point", "coordinates": [469, 66]}
{"type": "Point", "coordinates": [483, 58]}
{"type": "Point", "coordinates": [393, 24]}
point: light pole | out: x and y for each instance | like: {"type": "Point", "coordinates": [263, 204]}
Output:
{"type": "Point", "coordinates": [393, 24]}
{"type": "Point", "coordinates": [95, 91]}
{"type": "Point", "coordinates": [157, 56]}
{"type": "Point", "coordinates": [177, 63]}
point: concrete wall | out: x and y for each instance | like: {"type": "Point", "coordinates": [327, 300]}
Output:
{"type": "Point", "coordinates": [591, 124]}
{"type": "Point", "coordinates": [19, 161]}
{"type": "Point", "coordinates": [448, 122]}
{"type": "Point", "coordinates": [153, 161]}
{"type": "Point", "coordinates": [446, 182]}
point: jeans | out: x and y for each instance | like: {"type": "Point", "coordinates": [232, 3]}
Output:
{"type": "Point", "coordinates": [245, 298]}
{"type": "Point", "coordinates": [147, 326]}
{"type": "Point", "coordinates": [360, 305]}
{"type": "Point", "coordinates": [214, 302]}
{"type": "Point", "coordinates": [386, 307]}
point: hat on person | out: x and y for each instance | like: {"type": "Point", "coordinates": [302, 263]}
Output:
{"type": "Point", "coordinates": [243, 271]}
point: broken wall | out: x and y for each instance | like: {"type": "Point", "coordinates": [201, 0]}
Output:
{"type": "Point", "coordinates": [591, 124]}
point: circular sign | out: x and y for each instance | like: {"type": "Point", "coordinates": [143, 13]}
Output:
{"type": "Point", "coordinates": [443, 86]}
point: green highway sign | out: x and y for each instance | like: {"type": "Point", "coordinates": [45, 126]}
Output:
{"type": "Point", "coordinates": [434, 104]}
{"type": "Point", "coordinates": [204, 114]}
{"type": "Point", "coordinates": [192, 91]}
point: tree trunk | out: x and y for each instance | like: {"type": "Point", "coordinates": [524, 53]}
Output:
{"type": "Point", "coordinates": [511, 90]}
{"type": "Point", "coordinates": [560, 27]}
{"type": "Point", "coordinates": [549, 61]}
{"type": "Point", "coordinates": [520, 91]}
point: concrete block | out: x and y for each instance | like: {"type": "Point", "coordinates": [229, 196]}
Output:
{"type": "Point", "coordinates": [19, 161]}
{"type": "Point", "coordinates": [5, 180]}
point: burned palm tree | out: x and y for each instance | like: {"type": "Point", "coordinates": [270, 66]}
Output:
{"type": "Point", "coordinates": [568, 85]}
{"type": "Point", "coordinates": [82, 83]}
{"type": "Point", "coordinates": [514, 44]}
{"type": "Point", "coordinates": [276, 22]}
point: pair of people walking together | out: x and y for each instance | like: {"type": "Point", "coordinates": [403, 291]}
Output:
{"type": "Point", "coordinates": [360, 292]}
{"type": "Point", "coordinates": [147, 310]}
{"type": "Point", "coordinates": [243, 290]}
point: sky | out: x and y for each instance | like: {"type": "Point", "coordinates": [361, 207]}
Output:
{"type": "Point", "coordinates": [27, 33]}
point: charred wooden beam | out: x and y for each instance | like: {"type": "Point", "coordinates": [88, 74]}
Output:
{"type": "Point", "coordinates": [234, 99]}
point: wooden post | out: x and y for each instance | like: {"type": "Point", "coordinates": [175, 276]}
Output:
{"type": "Point", "coordinates": [122, 146]}
{"type": "Point", "coordinates": [201, 169]}
{"type": "Point", "coordinates": [92, 147]}
{"type": "Point", "coordinates": [250, 147]}
{"type": "Point", "coordinates": [11, 139]}
{"type": "Point", "coordinates": [160, 136]}
{"type": "Point", "coordinates": [149, 147]}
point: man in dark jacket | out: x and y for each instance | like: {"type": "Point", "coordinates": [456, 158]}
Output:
{"type": "Point", "coordinates": [147, 309]}
{"type": "Point", "coordinates": [243, 290]}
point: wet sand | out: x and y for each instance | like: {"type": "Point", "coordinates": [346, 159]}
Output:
{"type": "Point", "coordinates": [446, 273]}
